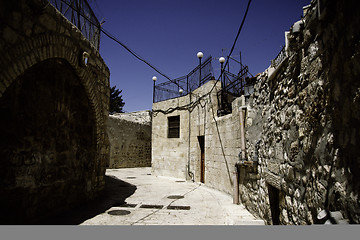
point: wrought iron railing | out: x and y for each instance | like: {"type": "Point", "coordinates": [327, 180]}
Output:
{"type": "Point", "coordinates": [187, 83]}
{"type": "Point", "coordinates": [233, 86]}
{"type": "Point", "coordinates": [79, 13]}
{"type": "Point", "coordinates": [279, 58]}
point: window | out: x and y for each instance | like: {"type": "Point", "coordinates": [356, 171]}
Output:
{"type": "Point", "coordinates": [174, 127]}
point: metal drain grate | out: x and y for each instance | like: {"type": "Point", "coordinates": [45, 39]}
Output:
{"type": "Point", "coordinates": [175, 197]}
{"type": "Point", "coordinates": [180, 181]}
{"type": "Point", "coordinates": [119, 212]}
{"type": "Point", "coordinates": [179, 207]}
{"type": "Point", "coordinates": [152, 206]}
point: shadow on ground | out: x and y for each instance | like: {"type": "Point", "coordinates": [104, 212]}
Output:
{"type": "Point", "coordinates": [114, 194]}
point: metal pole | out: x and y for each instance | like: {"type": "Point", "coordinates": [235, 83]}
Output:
{"type": "Point", "coordinates": [154, 92]}
{"type": "Point", "coordinates": [236, 185]}
{"type": "Point", "coordinates": [200, 72]}
{"type": "Point", "coordinates": [222, 76]}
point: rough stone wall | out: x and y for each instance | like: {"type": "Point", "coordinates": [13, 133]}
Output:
{"type": "Point", "coordinates": [130, 139]}
{"type": "Point", "coordinates": [36, 40]}
{"type": "Point", "coordinates": [306, 115]}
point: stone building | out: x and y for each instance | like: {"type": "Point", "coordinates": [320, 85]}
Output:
{"type": "Point", "coordinates": [130, 139]}
{"type": "Point", "coordinates": [54, 97]}
{"type": "Point", "coordinates": [301, 127]}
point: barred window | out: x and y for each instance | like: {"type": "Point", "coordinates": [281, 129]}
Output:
{"type": "Point", "coordinates": [174, 127]}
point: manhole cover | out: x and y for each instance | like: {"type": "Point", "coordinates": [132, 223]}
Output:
{"type": "Point", "coordinates": [175, 197]}
{"type": "Point", "coordinates": [119, 212]}
{"type": "Point", "coordinates": [152, 206]}
{"type": "Point", "coordinates": [179, 207]}
{"type": "Point", "coordinates": [131, 177]}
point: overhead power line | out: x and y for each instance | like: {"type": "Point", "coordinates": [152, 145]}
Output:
{"type": "Point", "coordinates": [236, 38]}
{"type": "Point", "coordinates": [133, 53]}
{"type": "Point", "coordinates": [192, 105]}
{"type": "Point", "coordinates": [122, 44]}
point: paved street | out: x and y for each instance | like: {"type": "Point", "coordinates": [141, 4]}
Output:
{"type": "Point", "coordinates": [151, 200]}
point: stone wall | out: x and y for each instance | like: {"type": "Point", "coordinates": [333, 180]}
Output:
{"type": "Point", "coordinates": [54, 146]}
{"type": "Point", "coordinates": [306, 116]}
{"type": "Point", "coordinates": [180, 157]}
{"type": "Point", "coordinates": [302, 127]}
{"type": "Point", "coordinates": [130, 139]}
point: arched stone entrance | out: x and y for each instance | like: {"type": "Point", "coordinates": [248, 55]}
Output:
{"type": "Point", "coordinates": [47, 143]}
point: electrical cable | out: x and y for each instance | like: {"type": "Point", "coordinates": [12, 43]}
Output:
{"type": "Point", "coordinates": [122, 44]}
{"type": "Point", "coordinates": [185, 107]}
{"type": "Point", "coordinates": [227, 61]}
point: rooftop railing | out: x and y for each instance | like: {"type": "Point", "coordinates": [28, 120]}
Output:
{"type": "Point", "coordinates": [279, 58]}
{"type": "Point", "coordinates": [187, 83]}
{"type": "Point", "coordinates": [79, 13]}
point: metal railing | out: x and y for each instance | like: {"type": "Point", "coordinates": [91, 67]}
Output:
{"type": "Point", "coordinates": [79, 13]}
{"type": "Point", "coordinates": [279, 58]}
{"type": "Point", "coordinates": [187, 83]}
{"type": "Point", "coordinates": [233, 86]}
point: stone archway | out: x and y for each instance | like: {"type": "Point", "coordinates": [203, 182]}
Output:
{"type": "Point", "coordinates": [48, 143]}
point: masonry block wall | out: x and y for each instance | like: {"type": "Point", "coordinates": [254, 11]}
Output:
{"type": "Point", "coordinates": [180, 157]}
{"type": "Point", "coordinates": [169, 155]}
{"type": "Point", "coordinates": [130, 139]}
{"type": "Point", "coordinates": [307, 120]}
{"type": "Point", "coordinates": [53, 144]}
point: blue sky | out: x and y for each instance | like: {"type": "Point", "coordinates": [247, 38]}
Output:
{"type": "Point", "coordinates": [169, 33]}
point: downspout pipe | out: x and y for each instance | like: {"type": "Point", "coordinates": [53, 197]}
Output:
{"type": "Point", "coordinates": [242, 132]}
{"type": "Point", "coordinates": [242, 156]}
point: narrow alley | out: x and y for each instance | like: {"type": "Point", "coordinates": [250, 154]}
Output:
{"type": "Point", "coordinates": [170, 201]}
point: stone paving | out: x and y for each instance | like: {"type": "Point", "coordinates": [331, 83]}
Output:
{"type": "Point", "coordinates": [171, 201]}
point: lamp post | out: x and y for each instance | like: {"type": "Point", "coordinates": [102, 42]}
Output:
{"type": "Point", "coordinates": [222, 60]}
{"type": "Point", "coordinates": [200, 56]}
{"type": "Point", "coordinates": [154, 78]}
{"type": "Point", "coordinates": [222, 99]}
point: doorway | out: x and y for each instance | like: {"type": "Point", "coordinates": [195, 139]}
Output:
{"type": "Point", "coordinates": [274, 204]}
{"type": "Point", "coordinates": [201, 140]}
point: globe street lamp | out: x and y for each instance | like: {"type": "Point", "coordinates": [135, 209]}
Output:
{"type": "Point", "coordinates": [154, 78]}
{"type": "Point", "coordinates": [200, 56]}
{"type": "Point", "coordinates": [222, 60]}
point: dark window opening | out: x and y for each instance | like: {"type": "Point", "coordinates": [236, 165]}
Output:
{"type": "Point", "coordinates": [174, 127]}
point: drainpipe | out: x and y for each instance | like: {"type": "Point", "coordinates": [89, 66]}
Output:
{"type": "Point", "coordinates": [242, 133]}
{"type": "Point", "coordinates": [242, 157]}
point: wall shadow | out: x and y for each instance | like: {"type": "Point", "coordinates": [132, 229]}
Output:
{"type": "Point", "coordinates": [114, 194]}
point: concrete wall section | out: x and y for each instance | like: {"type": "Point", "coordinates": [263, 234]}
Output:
{"type": "Point", "coordinates": [130, 139]}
